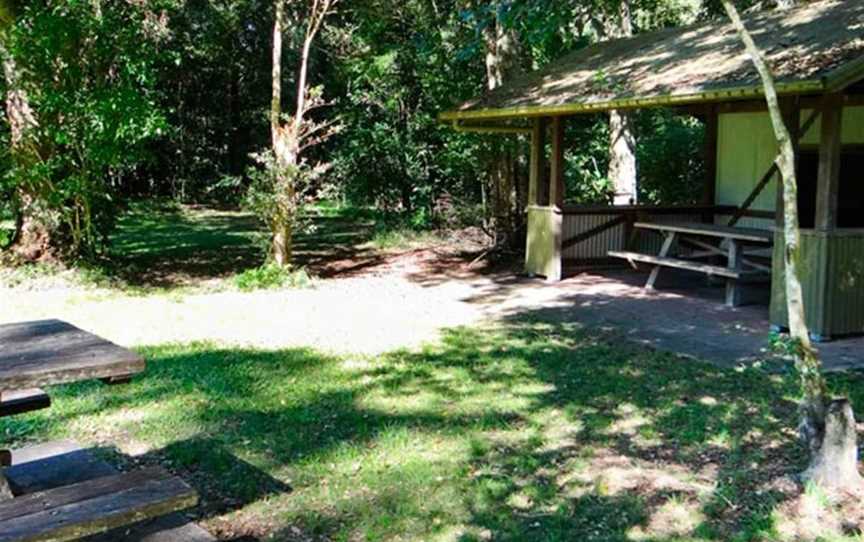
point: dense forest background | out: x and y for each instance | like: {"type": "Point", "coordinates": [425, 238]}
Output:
{"type": "Point", "coordinates": [169, 99]}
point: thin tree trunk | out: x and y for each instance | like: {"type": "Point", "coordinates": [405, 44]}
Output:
{"type": "Point", "coordinates": [276, 74]}
{"type": "Point", "coordinates": [282, 238]}
{"type": "Point", "coordinates": [827, 426]}
{"type": "Point", "coordinates": [288, 137]}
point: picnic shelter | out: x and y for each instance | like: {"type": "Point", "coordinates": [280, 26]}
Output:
{"type": "Point", "coordinates": [733, 231]}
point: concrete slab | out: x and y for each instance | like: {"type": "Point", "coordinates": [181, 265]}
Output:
{"type": "Point", "coordinates": [685, 314]}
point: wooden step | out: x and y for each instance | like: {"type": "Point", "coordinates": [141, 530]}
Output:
{"type": "Point", "coordinates": [94, 506]}
{"type": "Point", "coordinates": [710, 270]}
{"type": "Point", "coordinates": [21, 401]}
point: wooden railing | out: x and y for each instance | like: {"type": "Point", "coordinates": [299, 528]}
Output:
{"type": "Point", "coordinates": [589, 233]}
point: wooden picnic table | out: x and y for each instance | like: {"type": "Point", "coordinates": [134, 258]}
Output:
{"type": "Point", "coordinates": [46, 352]}
{"type": "Point", "coordinates": [732, 242]}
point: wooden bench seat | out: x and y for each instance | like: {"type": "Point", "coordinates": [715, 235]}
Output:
{"type": "Point", "coordinates": [21, 401]}
{"type": "Point", "coordinates": [94, 506]}
{"type": "Point", "coordinates": [678, 263]}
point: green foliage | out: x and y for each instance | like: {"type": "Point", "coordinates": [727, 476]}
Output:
{"type": "Point", "coordinates": [214, 89]}
{"type": "Point", "coordinates": [88, 70]}
{"type": "Point", "coordinates": [170, 98]}
{"type": "Point", "coordinates": [271, 276]}
{"type": "Point", "coordinates": [400, 69]}
{"type": "Point", "coordinates": [670, 156]}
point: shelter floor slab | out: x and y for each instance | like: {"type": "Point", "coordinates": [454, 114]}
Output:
{"type": "Point", "coordinates": [685, 314]}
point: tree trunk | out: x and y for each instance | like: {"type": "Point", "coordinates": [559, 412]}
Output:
{"type": "Point", "coordinates": [284, 154]}
{"type": "Point", "coordinates": [827, 426]}
{"type": "Point", "coordinates": [32, 240]}
{"type": "Point", "coordinates": [502, 60]}
{"type": "Point", "coordinates": [288, 138]}
{"type": "Point", "coordinates": [283, 245]}
{"type": "Point", "coordinates": [622, 158]}
{"type": "Point", "coordinates": [622, 141]}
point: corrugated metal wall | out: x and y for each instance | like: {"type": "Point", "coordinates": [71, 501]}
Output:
{"type": "Point", "coordinates": [832, 277]}
{"type": "Point", "coordinates": [597, 247]}
{"type": "Point", "coordinates": [845, 293]}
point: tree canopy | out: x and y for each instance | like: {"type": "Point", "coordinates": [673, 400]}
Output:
{"type": "Point", "coordinates": [170, 98]}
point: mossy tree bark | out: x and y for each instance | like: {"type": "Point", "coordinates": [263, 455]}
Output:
{"type": "Point", "coordinates": [32, 240]}
{"type": "Point", "coordinates": [827, 424]}
{"type": "Point", "coordinates": [506, 196]}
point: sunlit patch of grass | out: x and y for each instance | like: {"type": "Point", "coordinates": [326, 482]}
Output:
{"type": "Point", "coordinates": [403, 239]}
{"type": "Point", "coordinates": [512, 432]}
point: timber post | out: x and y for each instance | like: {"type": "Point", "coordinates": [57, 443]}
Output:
{"type": "Point", "coordinates": [556, 177]}
{"type": "Point", "coordinates": [556, 199]}
{"type": "Point", "coordinates": [828, 180]}
{"type": "Point", "coordinates": [709, 188]}
{"type": "Point", "coordinates": [791, 108]}
{"type": "Point", "coordinates": [538, 160]}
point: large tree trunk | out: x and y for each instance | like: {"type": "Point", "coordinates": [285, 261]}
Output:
{"type": "Point", "coordinates": [827, 425]}
{"type": "Point", "coordinates": [32, 240]}
{"type": "Point", "coordinates": [622, 141]}
{"type": "Point", "coordinates": [502, 61]}
{"type": "Point", "coordinates": [622, 158]}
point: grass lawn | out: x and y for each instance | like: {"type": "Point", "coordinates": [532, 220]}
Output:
{"type": "Point", "coordinates": [519, 431]}
{"type": "Point", "coordinates": [168, 247]}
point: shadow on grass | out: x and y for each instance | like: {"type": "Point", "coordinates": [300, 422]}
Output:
{"type": "Point", "coordinates": [163, 246]}
{"type": "Point", "coordinates": [534, 430]}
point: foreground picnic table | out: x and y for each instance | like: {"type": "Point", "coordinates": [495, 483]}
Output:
{"type": "Point", "coordinates": [738, 270]}
{"type": "Point", "coordinates": [35, 354]}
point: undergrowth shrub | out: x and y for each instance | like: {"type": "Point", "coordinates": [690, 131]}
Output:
{"type": "Point", "coordinates": [271, 276]}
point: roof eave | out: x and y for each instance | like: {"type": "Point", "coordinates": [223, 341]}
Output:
{"type": "Point", "coordinates": [727, 94]}
{"type": "Point", "coordinates": [845, 75]}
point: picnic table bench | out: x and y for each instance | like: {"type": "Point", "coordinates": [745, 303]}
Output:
{"type": "Point", "coordinates": [740, 266]}
{"type": "Point", "coordinates": [35, 354]}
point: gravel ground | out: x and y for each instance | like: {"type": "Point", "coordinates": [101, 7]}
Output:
{"type": "Point", "coordinates": [395, 305]}
{"type": "Point", "coordinates": [407, 300]}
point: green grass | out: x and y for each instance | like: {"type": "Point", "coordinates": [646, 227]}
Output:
{"type": "Point", "coordinates": [162, 247]}
{"type": "Point", "coordinates": [525, 431]}
{"type": "Point", "coordinates": [403, 239]}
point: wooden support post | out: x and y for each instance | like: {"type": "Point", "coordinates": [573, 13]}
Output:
{"type": "Point", "coordinates": [733, 286]}
{"type": "Point", "coordinates": [538, 161]}
{"type": "Point", "coordinates": [556, 178]}
{"type": "Point", "coordinates": [791, 107]}
{"type": "Point", "coordinates": [709, 188]}
{"type": "Point", "coordinates": [830, 145]}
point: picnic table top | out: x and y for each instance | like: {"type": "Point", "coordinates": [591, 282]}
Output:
{"type": "Point", "coordinates": [45, 352]}
{"type": "Point", "coordinates": [713, 230]}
